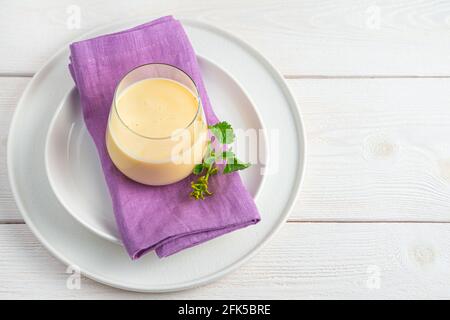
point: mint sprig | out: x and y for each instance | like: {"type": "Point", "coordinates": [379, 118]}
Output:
{"type": "Point", "coordinates": [235, 165]}
{"type": "Point", "coordinates": [224, 134]}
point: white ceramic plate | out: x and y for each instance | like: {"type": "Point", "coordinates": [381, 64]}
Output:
{"type": "Point", "coordinates": [107, 262]}
{"type": "Point", "coordinates": [74, 170]}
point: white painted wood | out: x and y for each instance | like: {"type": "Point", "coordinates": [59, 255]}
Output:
{"type": "Point", "coordinates": [10, 91]}
{"type": "Point", "coordinates": [302, 37]}
{"type": "Point", "coordinates": [304, 261]}
{"type": "Point", "coordinates": [378, 149]}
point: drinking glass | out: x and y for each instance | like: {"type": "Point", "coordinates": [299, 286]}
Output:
{"type": "Point", "coordinates": [155, 160]}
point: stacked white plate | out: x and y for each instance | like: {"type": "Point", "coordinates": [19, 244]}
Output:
{"type": "Point", "coordinates": [59, 188]}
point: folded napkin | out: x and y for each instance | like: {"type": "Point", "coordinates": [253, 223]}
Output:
{"type": "Point", "coordinates": [163, 218]}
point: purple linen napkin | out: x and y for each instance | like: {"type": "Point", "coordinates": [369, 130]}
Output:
{"type": "Point", "coordinates": [162, 218]}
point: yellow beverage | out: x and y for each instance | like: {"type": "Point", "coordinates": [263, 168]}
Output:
{"type": "Point", "coordinates": [156, 131]}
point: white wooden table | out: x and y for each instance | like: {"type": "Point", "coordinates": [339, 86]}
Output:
{"type": "Point", "coordinates": [372, 79]}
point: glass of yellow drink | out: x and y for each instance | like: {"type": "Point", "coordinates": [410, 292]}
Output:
{"type": "Point", "coordinates": [156, 130]}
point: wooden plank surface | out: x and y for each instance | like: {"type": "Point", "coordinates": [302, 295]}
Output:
{"type": "Point", "coordinates": [10, 92]}
{"type": "Point", "coordinates": [371, 79]}
{"type": "Point", "coordinates": [304, 260]}
{"type": "Point", "coordinates": [378, 149]}
{"type": "Point", "coordinates": [302, 37]}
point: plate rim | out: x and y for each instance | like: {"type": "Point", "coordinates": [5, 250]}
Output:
{"type": "Point", "coordinates": [69, 208]}
{"type": "Point", "coordinates": [295, 110]}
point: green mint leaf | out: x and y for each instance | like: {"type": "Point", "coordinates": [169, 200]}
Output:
{"type": "Point", "coordinates": [209, 160]}
{"type": "Point", "coordinates": [198, 169]}
{"type": "Point", "coordinates": [223, 132]}
{"type": "Point", "coordinates": [225, 155]}
{"type": "Point", "coordinates": [228, 155]}
{"type": "Point", "coordinates": [235, 165]}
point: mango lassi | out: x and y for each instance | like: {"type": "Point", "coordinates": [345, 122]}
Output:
{"type": "Point", "coordinates": [156, 131]}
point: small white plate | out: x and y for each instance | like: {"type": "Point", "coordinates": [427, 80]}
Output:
{"type": "Point", "coordinates": [108, 262]}
{"type": "Point", "coordinates": [74, 170]}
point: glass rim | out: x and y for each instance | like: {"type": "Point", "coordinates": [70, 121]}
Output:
{"type": "Point", "coordinates": [196, 93]}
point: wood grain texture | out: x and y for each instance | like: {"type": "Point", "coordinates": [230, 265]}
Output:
{"type": "Point", "coordinates": [378, 149]}
{"type": "Point", "coordinates": [10, 92]}
{"type": "Point", "coordinates": [304, 261]}
{"type": "Point", "coordinates": [302, 37]}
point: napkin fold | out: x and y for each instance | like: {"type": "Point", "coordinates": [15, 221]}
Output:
{"type": "Point", "coordinates": [163, 218]}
